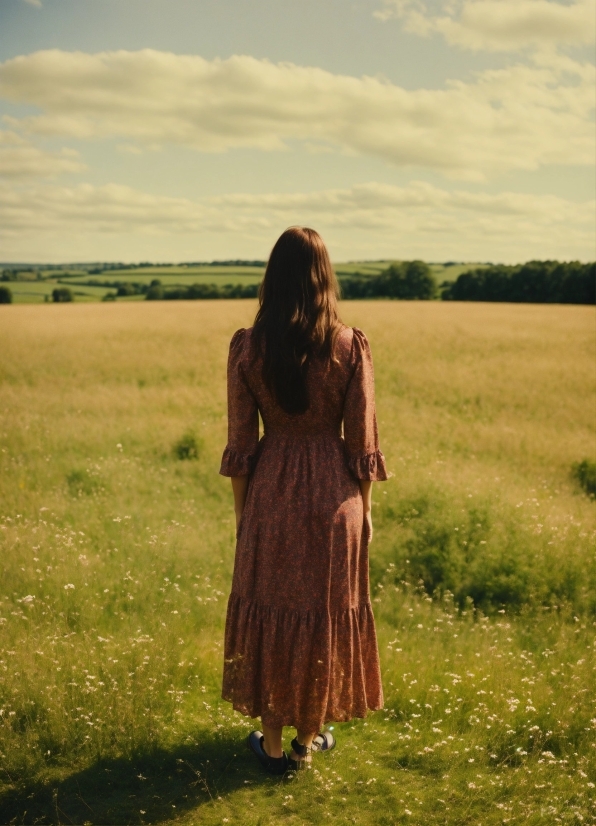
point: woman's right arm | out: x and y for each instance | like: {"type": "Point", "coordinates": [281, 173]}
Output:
{"type": "Point", "coordinates": [243, 426]}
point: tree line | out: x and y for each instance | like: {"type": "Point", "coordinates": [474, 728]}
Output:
{"type": "Point", "coordinates": [537, 282]}
{"type": "Point", "coordinates": [157, 292]}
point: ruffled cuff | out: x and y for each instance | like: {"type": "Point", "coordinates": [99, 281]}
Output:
{"type": "Point", "coordinates": [371, 467]}
{"type": "Point", "coordinates": [236, 464]}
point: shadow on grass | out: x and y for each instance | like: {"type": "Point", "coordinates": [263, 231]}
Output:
{"type": "Point", "coordinates": [148, 788]}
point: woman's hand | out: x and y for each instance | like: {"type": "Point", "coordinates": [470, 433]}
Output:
{"type": "Point", "coordinates": [240, 488]}
{"type": "Point", "coordinates": [368, 525]}
{"type": "Point", "coordinates": [366, 491]}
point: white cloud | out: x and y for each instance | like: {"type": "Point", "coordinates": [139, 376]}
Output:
{"type": "Point", "coordinates": [520, 117]}
{"type": "Point", "coordinates": [370, 219]}
{"type": "Point", "coordinates": [498, 25]}
{"type": "Point", "coordinates": [19, 159]}
{"type": "Point", "coordinates": [36, 3]}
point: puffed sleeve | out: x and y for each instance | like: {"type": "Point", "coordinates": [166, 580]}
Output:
{"type": "Point", "coordinates": [243, 415]}
{"type": "Point", "coordinates": [361, 436]}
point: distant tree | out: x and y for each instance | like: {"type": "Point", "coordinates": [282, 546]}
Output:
{"type": "Point", "coordinates": [406, 280]}
{"type": "Point", "coordinates": [62, 294]}
{"type": "Point", "coordinates": [155, 293]}
{"type": "Point", "coordinates": [127, 289]}
{"type": "Point", "coordinates": [5, 295]}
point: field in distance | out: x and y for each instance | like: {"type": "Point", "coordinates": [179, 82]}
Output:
{"type": "Point", "coordinates": [117, 541]}
{"type": "Point", "coordinates": [35, 284]}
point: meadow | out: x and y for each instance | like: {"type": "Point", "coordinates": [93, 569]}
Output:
{"type": "Point", "coordinates": [116, 558]}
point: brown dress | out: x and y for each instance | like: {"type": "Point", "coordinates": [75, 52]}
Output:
{"type": "Point", "coordinates": [300, 641]}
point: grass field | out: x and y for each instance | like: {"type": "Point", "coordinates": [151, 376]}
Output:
{"type": "Point", "coordinates": [116, 560]}
{"type": "Point", "coordinates": [31, 291]}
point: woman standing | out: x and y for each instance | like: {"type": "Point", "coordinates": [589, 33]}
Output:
{"type": "Point", "coordinates": [300, 641]}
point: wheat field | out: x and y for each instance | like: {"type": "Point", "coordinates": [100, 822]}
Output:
{"type": "Point", "coordinates": [116, 560]}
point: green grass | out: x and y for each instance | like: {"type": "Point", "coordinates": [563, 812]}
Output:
{"type": "Point", "coordinates": [34, 292]}
{"type": "Point", "coordinates": [116, 558]}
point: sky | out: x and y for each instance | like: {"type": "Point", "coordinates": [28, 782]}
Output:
{"type": "Point", "coordinates": [198, 130]}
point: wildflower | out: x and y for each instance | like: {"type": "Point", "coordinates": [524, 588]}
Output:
{"type": "Point", "coordinates": [69, 585]}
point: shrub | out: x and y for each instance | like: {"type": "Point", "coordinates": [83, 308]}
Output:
{"type": "Point", "coordinates": [187, 447]}
{"type": "Point", "coordinates": [482, 554]}
{"type": "Point", "coordinates": [585, 473]}
{"type": "Point", "coordinates": [109, 297]}
{"type": "Point", "coordinates": [81, 483]}
{"type": "Point", "coordinates": [62, 294]}
{"type": "Point", "coordinates": [5, 295]}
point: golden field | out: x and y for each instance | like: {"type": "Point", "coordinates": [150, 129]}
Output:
{"type": "Point", "coordinates": [116, 560]}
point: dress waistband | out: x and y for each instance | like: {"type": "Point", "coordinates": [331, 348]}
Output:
{"type": "Point", "coordinates": [292, 435]}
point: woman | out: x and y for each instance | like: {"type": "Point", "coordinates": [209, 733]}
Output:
{"type": "Point", "coordinates": [300, 641]}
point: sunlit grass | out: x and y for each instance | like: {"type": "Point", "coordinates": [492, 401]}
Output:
{"type": "Point", "coordinates": [116, 559]}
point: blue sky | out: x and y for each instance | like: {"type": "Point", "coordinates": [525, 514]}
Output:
{"type": "Point", "coordinates": [178, 130]}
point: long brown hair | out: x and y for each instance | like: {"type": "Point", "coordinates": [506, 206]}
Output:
{"type": "Point", "coordinates": [297, 317]}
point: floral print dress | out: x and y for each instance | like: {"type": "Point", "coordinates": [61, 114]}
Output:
{"type": "Point", "coordinates": [300, 640]}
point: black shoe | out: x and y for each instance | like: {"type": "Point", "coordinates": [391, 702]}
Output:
{"type": "Point", "coordinates": [274, 765]}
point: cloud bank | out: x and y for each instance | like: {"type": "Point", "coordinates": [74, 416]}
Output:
{"type": "Point", "coordinates": [498, 25]}
{"type": "Point", "coordinates": [416, 220]}
{"type": "Point", "coordinates": [517, 118]}
{"type": "Point", "coordinates": [20, 160]}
